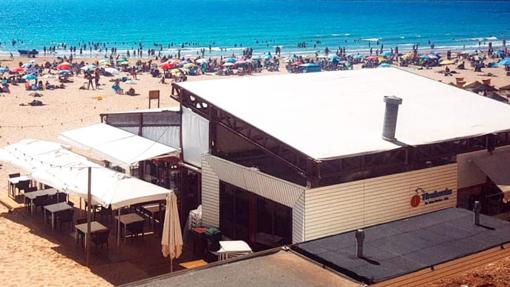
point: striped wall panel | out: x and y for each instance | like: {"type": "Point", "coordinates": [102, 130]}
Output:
{"type": "Point", "coordinates": [298, 220]}
{"type": "Point", "coordinates": [210, 196]}
{"type": "Point", "coordinates": [338, 208]}
{"type": "Point", "coordinates": [255, 181]}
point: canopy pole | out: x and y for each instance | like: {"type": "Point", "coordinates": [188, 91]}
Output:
{"type": "Point", "coordinates": [89, 200]}
{"type": "Point", "coordinates": [118, 226]}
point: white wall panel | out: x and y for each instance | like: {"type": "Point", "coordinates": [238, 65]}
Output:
{"type": "Point", "coordinates": [339, 208]}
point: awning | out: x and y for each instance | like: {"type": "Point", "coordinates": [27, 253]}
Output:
{"type": "Point", "coordinates": [497, 168]}
{"type": "Point", "coordinates": [115, 145]}
{"type": "Point", "coordinates": [52, 164]}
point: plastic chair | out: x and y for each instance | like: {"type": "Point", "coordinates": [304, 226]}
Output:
{"type": "Point", "coordinates": [100, 238]}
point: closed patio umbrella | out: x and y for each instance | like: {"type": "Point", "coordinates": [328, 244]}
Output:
{"type": "Point", "coordinates": [171, 240]}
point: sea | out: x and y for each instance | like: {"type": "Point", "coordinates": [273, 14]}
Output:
{"type": "Point", "coordinates": [229, 26]}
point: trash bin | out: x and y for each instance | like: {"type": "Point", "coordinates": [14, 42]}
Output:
{"type": "Point", "coordinates": [213, 237]}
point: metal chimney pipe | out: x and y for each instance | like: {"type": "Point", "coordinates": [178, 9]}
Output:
{"type": "Point", "coordinates": [360, 237]}
{"type": "Point", "coordinates": [476, 209]}
{"type": "Point", "coordinates": [390, 117]}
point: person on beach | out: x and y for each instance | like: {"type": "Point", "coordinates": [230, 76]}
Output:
{"type": "Point", "coordinates": [96, 78]}
{"type": "Point", "coordinates": [116, 88]}
{"type": "Point", "coordinates": [89, 77]}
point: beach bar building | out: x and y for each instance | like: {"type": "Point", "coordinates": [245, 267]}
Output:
{"type": "Point", "coordinates": [291, 158]}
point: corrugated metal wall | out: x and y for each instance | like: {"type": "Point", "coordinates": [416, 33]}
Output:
{"type": "Point", "coordinates": [210, 196]}
{"type": "Point", "coordinates": [298, 220]}
{"type": "Point", "coordinates": [338, 208]}
{"type": "Point", "coordinates": [215, 169]}
{"type": "Point", "coordinates": [255, 181]}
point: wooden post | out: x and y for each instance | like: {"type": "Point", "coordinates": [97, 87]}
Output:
{"type": "Point", "coordinates": [89, 205]}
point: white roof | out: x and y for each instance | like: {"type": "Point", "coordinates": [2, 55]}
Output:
{"type": "Point", "coordinates": [54, 165]}
{"type": "Point", "coordinates": [339, 114]}
{"type": "Point", "coordinates": [115, 145]}
{"type": "Point", "coordinates": [155, 110]}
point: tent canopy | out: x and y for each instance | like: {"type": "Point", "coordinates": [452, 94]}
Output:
{"type": "Point", "coordinates": [116, 145]}
{"type": "Point", "coordinates": [52, 164]}
{"type": "Point", "coordinates": [496, 167]}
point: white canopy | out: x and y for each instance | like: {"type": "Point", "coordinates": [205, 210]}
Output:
{"type": "Point", "coordinates": [54, 165]}
{"type": "Point", "coordinates": [496, 167]}
{"type": "Point", "coordinates": [115, 145]}
{"type": "Point", "coordinates": [340, 114]}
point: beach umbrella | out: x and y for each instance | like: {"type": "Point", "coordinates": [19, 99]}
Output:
{"type": "Point", "coordinates": [505, 62]}
{"type": "Point", "coordinates": [334, 57]}
{"type": "Point", "coordinates": [408, 56]}
{"type": "Point", "coordinates": [229, 60]}
{"type": "Point", "coordinates": [387, 54]}
{"type": "Point", "coordinates": [167, 66]}
{"type": "Point", "coordinates": [446, 62]}
{"type": "Point", "coordinates": [175, 71]}
{"type": "Point", "coordinates": [189, 66]}
{"type": "Point", "coordinates": [105, 62]}
{"type": "Point", "coordinates": [29, 77]}
{"type": "Point", "coordinates": [16, 70]}
{"type": "Point", "coordinates": [112, 71]}
{"type": "Point", "coordinates": [89, 67]}
{"type": "Point", "coordinates": [64, 66]}
{"type": "Point", "coordinates": [171, 237]}
{"type": "Point", "coordinates": [122, 62]}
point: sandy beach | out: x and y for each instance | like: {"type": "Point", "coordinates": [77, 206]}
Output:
{"type": "Point", "coordinates": [27, 255]}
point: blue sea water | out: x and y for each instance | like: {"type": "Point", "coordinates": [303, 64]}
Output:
{"type": "Point", "coordinates": [260, 24]}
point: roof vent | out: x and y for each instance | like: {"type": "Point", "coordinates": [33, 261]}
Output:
{"type": "Point", "coordinates": [360, 237]}
{"type": "Point", "coordinates": [476, 209]}
{"type": "Point", "coordinates": [390, 117]}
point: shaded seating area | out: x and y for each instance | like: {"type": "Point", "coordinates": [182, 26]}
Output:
{"type": "Point", "coordinates": [114, 195]}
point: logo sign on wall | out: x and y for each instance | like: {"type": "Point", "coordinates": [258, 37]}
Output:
{"type": "Point", "coordinates": [425, 197]}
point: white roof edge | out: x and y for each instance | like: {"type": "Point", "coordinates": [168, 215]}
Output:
{"type": "Point", "coordinates": [157, 110]}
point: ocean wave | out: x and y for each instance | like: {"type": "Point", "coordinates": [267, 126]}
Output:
{"type": "Point", "coordinates": [478, 39]}
{"type": "Point", "coordinates": [372, 39]}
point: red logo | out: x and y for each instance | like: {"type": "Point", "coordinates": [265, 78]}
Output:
{"type": "Point", "coordinates": [415, 200]}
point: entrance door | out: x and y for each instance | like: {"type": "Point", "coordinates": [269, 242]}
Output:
{"type": "Point", "coordinates": [260, 222]}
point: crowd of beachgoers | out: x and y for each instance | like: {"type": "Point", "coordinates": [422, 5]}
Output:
{"type": "Point", "coordinates": [120, 69]}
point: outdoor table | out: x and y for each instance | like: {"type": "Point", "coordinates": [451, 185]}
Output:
{"type": "Point", "coordinates": [34, 194]}
{"type": "Point", "coordinates": [13, 181]}
{"type": "Point", "coordinates": [94, 227]}
{"type": "Point", "coordinates": [54, 208]}
{"type": "Point", "coordinates": [233, 248]}
{"type": "Point", "coordinates": [151, 210]}
{"type": "Point", "coordinates": [126, 219]}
